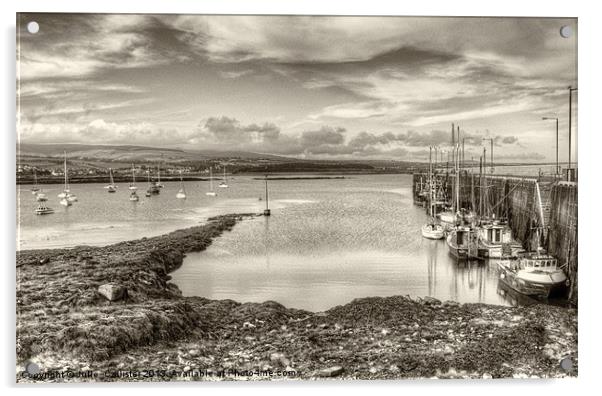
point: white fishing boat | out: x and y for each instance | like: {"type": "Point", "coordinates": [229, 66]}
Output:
{"type": "Point", "coordinates": [211, 193]}
{"type": "Point", "coordinates": [42, 209]}
{"type": "Point", "coordinates": [181, 192]}
{"type": "Point", "coordinates": [35, 187]}
{"type": "Point", "coordinates": [432, 230]}
{"type": "Point", "coordinates": [111, 187]}
{"type": "Point", "coordinates": [224, 183]}
{"type": "Point", "coordinates": [534, 274]}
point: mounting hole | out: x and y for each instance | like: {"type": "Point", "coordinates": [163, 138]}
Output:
{"type": "Point", "coordinates": [566, 364]}
{"type": "Point", "coordinates": [33, 27]}
{"type": "Point", "coordinates": [32, 368]}
{"type": "Point", "coordinates": [566, 31]}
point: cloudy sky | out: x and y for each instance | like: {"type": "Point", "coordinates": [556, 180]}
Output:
{"type": "Point", "coordinates": [309, 87]}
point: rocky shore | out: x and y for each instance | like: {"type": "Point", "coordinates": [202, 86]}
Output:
{"type": "Point", "coordinates": [111, 314]}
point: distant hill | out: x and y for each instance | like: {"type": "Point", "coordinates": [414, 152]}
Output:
{"type": "Point", "coordinates": [97, 152]}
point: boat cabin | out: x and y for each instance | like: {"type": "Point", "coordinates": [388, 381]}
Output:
{"type": "Point", "coordinates": [539, 263]}
{"type": "Point", "coordinates": [496, 233]}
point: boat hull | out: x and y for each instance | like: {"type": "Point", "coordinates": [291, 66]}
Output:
{"type": "Point", "coordinates": [432, 231]}
{"type": "Point", "coordinates": [542, 289]}
{"type": "Point", "coordinates": [459, 252]}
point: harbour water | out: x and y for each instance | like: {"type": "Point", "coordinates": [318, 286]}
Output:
{"type": "Point", "coordinates": [327, 242]}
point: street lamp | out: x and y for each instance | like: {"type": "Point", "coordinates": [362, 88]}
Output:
{"type": "Point", "coordinates": [491, 139]}
{"type": "Point", "coordinates": [571, 89]}
{"type": "Point", "coordinates": [555, 118]}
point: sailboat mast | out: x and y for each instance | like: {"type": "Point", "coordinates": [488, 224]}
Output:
{"type": "Point", "coordinates": [431, 181]}
{"type": "Point", "coordinates": [65, 171]}
{"type": "Point", "coordinates": [458, 174]}
{"type": "Point", "coordinates": [266, 192]}
{"type": "Point", "coordinates": [133, 175]}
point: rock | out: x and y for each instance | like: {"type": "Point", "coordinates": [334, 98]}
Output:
{"type": "Point", "coordinates": [487, 376]}
{"type": "Point", "coordinates": [278, 358]}
{"type": "Point", "coordinates": [331, 371]}
{"type": "Point", "coordinates": [430, 301]}
{"type": "Point", "coordinates": [112, 291]}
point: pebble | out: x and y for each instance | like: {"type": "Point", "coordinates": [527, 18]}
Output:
{"type": "Point", "coordinates": [331, 371]}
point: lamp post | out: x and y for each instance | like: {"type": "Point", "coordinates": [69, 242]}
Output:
{"type": "Point", "coordinates": [571, 89]}
{"type": "Point", "coordinates": [491, 140]}
{"type": "Point", "coordinates": [555, 118]}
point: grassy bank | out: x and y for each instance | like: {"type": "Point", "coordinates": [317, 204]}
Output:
{"type": "Point", "coordinates": [65, 326]}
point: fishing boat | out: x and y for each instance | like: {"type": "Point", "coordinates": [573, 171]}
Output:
{"type": "Point", "coordinates": [111, 187]}
{"type": "Point", "coordinates": [461, 242]}
{"type": "Point", "coordinates": [534, 274]}
{"type": "Point", "coordinates": [223, 183]}
{"type": "Point", "coordinates": [211, 193]}
{"type": "Point", "coordinates": [42, 209]}
{"type": "Point", "coordinates": [431, 229]}
{"type": "Point", "coordinates": [495, 241]}
{"type": "Point", "coordinates": [181, 192]}
{"type": "Point", "coordinates": [35, 187]}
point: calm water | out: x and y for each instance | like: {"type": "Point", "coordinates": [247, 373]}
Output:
{"type": "Point", "coordinates": [326, 243]}
{"type": "Point", "coordinates": [342, 239]}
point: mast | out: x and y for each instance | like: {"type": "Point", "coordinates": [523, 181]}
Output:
{"type": "Point", "coordinates": [65, 171]}
{"type": "Point", "coordinates": [210, 178]}
{"type": "Point", "coordinates": [431, 181]}
{"type": "Point", "coordinates": [266, 211]}
{"type": "Point", "coordinates": [457, 165]}
{"type": "Point", "coordinates": [111, 176]}
{"type": "Point", "coordinates": [133, 175]}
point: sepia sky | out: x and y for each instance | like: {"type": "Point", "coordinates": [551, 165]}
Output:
{"type": "Point", "coordinates": [309, 87]}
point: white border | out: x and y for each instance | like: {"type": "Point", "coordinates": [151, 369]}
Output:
{"type": "Point", "coordinates": [589, 195]}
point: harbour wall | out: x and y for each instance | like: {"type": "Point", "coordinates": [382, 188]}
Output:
{"type": "Point", "coordinates": [517, 199]}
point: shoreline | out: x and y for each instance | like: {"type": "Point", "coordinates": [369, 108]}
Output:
{"type": "Point", "coordinates": [65, 325]}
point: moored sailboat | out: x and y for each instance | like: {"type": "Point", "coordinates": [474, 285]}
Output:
{"type": "Point", "coordinates": [133, 194]}
{"type": "Point", "coordinates": [211, 193]}
{"type": "Point", "coordinates": [223, 183]}
{"type": "Point", "coordinates": [35, 187]}
{"type": "Point", "coordinates": [431, 229]}
{"type": "Point", "coordinates": [181, 192]}
{"type": "Point", "coordinates": [111, 187]}
{"type": "Point", "coordinates": [67, 197]}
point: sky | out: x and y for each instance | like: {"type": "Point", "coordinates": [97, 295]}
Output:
{"type": "Point", "coordinates": [300, 86]}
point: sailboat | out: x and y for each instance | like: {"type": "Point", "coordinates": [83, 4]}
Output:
{"type": "Point", "coordinates": [266, 211]}
{"type": "Point", "coordinates": [111, 187]}
{"type": "Point", "coordinates": [158, 183]}
{"type": "Point", "coordinates": [133, 195]}
{"type": "Point", "coordinates": [35, 187]}
{"type": "Point", "coordinates": [181, 192]}
{"type": "Point", "coordinates": [431, 230]}
{"type": "Point", "coordinates": [211, 193]}
{"type": "Point", "coordinates": [223, 184]}
{"type": "Point", "coordinates": [153, 187]}
{"type": "Point", "coordinates": [67, 198]}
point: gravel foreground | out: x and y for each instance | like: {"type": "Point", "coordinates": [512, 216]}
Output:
{"type": "Point", "coordinates": [69, 332]}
